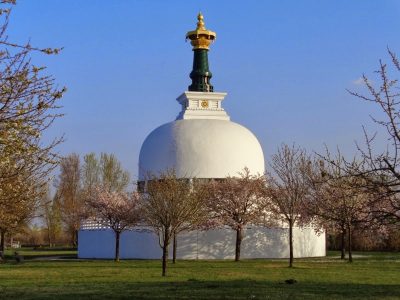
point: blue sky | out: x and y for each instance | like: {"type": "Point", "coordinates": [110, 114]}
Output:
{"type": "Point", "coordinates": [286, 66]}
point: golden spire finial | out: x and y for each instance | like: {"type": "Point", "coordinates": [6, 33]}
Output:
{"type": "Point", "coordinates": [200, 23]}
{"type": "Point", "coordinates": [201, 37]}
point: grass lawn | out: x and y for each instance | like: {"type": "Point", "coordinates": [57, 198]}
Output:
{"type": "Point", "coordinates": [371, 276]}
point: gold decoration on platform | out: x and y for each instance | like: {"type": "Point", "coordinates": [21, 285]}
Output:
{"type": "Point", "coordinates": [204, 104]}
{"type": "Point", "coordinates": [201, 38]}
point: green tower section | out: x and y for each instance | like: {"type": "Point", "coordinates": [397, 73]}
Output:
{"type": "Point", "coordinates": [200, 39]}
{"type": "Point", "coordinates": [200, 74]}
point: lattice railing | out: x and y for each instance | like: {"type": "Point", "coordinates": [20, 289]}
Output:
{"type": "Point", "coordinates": [93, 225]}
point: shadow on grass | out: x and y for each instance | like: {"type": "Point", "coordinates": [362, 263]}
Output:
{"type": "Point", "coordinates": [198, 289]}
{"type": "Point", "coordinates": [45, 256]}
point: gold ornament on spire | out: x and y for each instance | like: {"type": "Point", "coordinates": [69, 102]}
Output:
{"type": "Point", "coordinates": [200, 23]}
{"type": "Point", "coordinates": [201, 38]}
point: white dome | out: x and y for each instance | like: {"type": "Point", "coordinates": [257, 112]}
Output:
{"type": "Point", "coordinates": [201, 148]}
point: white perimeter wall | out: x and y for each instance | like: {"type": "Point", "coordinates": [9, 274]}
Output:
{"type": "Point", "coordinates": [259, 242]}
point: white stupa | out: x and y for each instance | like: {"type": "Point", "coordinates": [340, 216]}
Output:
{"type": "Point", "coordinates": [201, 143]}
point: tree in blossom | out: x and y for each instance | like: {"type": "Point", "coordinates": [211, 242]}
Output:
{"type": "Point", "coordinates": [21, 207]}
{"type": "Point", "coordinates": [237, 202]}
{"type": "Point", "coordinates": [194, 213]}
{"type": "Point", "coordinates": [172, 205]}
{"type": "Point", "coordinates": [29, 104]}
{"type": "Point", "coordinates": [118, 210]}
{"type": "Point", "coordinates": [287, 188]}
{"type": "Point", "coordinates": [339, 200]}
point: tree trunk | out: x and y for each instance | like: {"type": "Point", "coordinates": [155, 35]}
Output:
{"type": "Point", "coordinates": [117, 236]}
{"type": "Point", "coordinates": [350, 242]}
{"type": "Point", "coordinates": [2, 243]}
{"type": "Point", "coordinates": [49, 236]}
{"type": "Point", "coordinates": [239, 237]}
{"type": "Point", "coordinates": [343, 243]}
{"type": "Point", "coordinates": [290, 244]}
{"type": "Point", "coordinates": [165, 253]}
{"type": "Point", "coordinates": [73, 237]}
{"type": "Point", "coordinates": [76, 238]}
{"type": "Point", "coordinates": [175, 243]}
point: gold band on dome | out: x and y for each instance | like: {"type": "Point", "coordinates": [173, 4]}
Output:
{"type": "Point", "coordinates": [201, 38]}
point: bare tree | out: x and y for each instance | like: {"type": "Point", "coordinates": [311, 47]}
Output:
{"type": "Point", "coordinates": [237, 202]}
{"type": "Point", "coordinates": [170, 206]}
{"type": "Point", "coordinates": [106, 172]}
{"type": "Point", "coordinates": [112, 175]}
{"type": "Point", "coordinates": [380, 171]}
{"type": "Point", "coordinates": [118, 210]}
{"type": "Point", "coordinates": [288, 188]}
{"type": "Point", "coordinates": [50, 213]}
{"type": "Point", "coordinates": [90, 174]}
{"type": "Point", "coordinates": [69, 193]}
{"type": "Point", "coordinates": [76, 185]}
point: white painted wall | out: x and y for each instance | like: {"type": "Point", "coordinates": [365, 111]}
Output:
{"type": "Point", "coordinates": [259, 242]}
